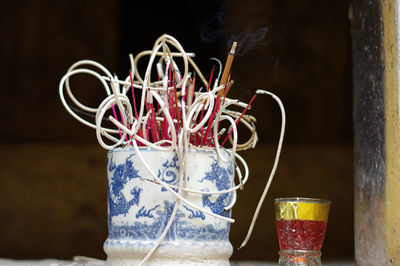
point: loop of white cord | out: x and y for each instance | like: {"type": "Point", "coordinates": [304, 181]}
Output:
{"type": "Point", "coordinates": [274, 167]}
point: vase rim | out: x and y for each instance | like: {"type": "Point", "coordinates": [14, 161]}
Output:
{"type": "Point", "coordinates": [149, 149]}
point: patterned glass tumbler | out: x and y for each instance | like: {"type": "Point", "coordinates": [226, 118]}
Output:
{"type": "Point", "coordinates": [301, 225]}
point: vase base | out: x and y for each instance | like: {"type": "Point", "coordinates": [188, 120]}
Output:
{"type": "Point", "coordinates": [168, 262]}
{"type": "Point", "coordinates": [169, 252]}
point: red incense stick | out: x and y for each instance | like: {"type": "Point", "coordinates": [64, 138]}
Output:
{"type": "Point", "coordinates": [153, 123]}
{"type": "Point", "coordinates": [204, 102]}
{"type": "Point", "coordinates": [208, 132]}
{"type": "Point", "coordinates": [116, 118]}
{"type": "Point", "coordinates": [240, 117]}
{"type": "Point", "coordinates": [133, 95]}
{"type": "Point", "coordinates": [193, 88]}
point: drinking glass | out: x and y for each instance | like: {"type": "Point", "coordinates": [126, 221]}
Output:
{"type": "Point", "coordinates": [301, 225]}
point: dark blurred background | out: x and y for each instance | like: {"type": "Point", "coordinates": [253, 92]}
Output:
{"type": "Point", "coordinates": [53, 178]}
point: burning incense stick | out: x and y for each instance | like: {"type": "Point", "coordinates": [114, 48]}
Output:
{"type": "Point", "coordinates": [227, 68]}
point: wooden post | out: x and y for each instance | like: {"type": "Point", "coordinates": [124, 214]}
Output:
{"type": "Point", "coordinates": [376, 132]}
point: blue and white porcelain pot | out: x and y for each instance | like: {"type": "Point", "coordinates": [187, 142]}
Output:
{"type": "Point", "coordinates": [139, 209]}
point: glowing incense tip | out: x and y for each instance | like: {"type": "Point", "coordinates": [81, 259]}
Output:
{"type": "Point", "coordinates": [233, 49]}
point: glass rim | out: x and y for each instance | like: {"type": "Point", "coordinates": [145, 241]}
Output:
{"type": "Point", "coordinates": [303, 199]}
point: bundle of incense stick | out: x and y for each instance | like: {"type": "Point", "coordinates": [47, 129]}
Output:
{"type": "Point", "coordinates": [181, 101]}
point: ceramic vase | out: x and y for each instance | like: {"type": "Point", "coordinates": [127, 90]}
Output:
{"type": "Point", "coordinates": [139, 209]}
